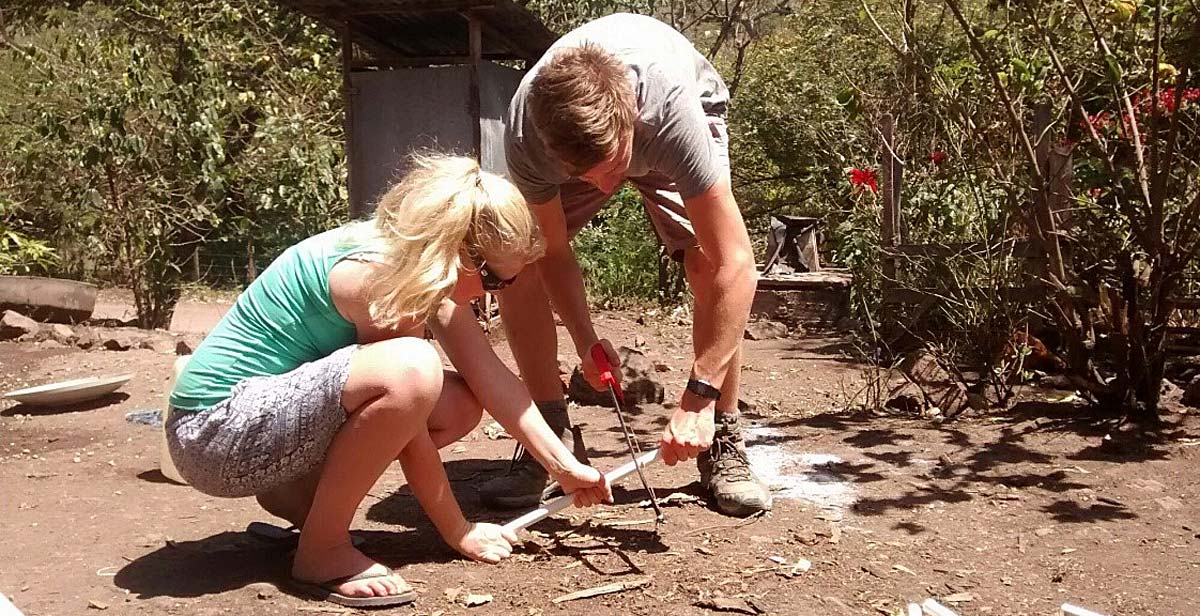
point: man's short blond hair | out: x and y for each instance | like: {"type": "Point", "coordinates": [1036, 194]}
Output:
{"type": "Point", "coordinates": [582, 105]}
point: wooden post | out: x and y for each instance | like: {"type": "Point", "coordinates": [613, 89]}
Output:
{"type": "Point", "coordinates": [474, 105]}
{"type": "Point", "coordinates": [196, 264]}
{"type": "Point", "coordinates": [475, 113]}
{"type": "Point", "coordinates": [891, 172]}
{"type": "Point", "coordinates": [358, 209]}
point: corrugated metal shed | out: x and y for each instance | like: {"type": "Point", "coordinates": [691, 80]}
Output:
{"type": "Point", "coordinates": [429, 32]}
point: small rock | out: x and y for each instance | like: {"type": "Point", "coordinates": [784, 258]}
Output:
{"type": "Point", "coordinates": [16, 325]}
{"type": "Point", "coordinates": [745, 406]}
{"type": "Point", "coordinates": [494, 431]}
{"type": "Point", "coordinates": [97, 605]}
{"type": "Point", "coordinates": [262, 590]}
{"type": "Point", "coordinates": [159, 343]}
{"type": "Point", "coordinates": [959, 597]}
{"type": "Point", "coordinates": [85, 338]}
{"type": "Point", "coordinates": [183, 347]}
{"type": "Point", "coordinates": [63, 334]}
{"type": "Point", "coordinates": [119, 341]}
{"type": "Point", "coordinates": [1169, 503]}
{"type": "Point", "coordinates": [639, 342]}
{"type": "Point", "coordinates": [765, 330]}
{"type": "Point", "coordinates": [564, 367]}
{"type": "Point", "coordinates": [1042, 532]}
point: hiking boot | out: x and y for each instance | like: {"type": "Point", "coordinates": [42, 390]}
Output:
{"type": "Point", "coordinates": [526, 484]}
{"type": "Point", "coordinates": [725, 471]}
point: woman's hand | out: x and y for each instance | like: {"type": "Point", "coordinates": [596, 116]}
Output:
{"type": "Point", "coordinates": [488, 543]}
{"type": "Point", "coordinates": [589, 485]}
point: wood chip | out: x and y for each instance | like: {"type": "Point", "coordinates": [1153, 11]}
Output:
{"type": "Point", "coordinates": [472, 599]}
{"type": "Point", "coordinates": [723, 604]}
{"type": "Point", "coordinates": [606, 589]}
{"type": "Point", "coordinates": [903, 569]}
{"type": "Point", "coordinates": [959, 597]}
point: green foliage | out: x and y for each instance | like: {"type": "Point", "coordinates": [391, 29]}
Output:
{"type": "Point", "coordinates": [138, 131]}
{"type": "Point", "coordinates": [619, 254]}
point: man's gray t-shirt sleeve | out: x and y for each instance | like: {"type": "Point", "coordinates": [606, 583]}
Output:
{"type": "Point", "coordinates": [523, 172]}
{"type": "Point", "coordinates": [684, 149]}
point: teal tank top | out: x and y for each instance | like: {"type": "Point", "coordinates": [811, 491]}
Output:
{"type": "Point", "coordinates": [285, 318]}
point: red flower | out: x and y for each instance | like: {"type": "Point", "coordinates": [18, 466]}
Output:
{"type": "Point", "coordinates": [864, 177]}
{"type": "Point", "coordinates": [1098, 121]}
{"type": "Point", "coordinates": [938, 157]}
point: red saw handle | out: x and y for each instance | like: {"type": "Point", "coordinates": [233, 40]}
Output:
{"type": "Point", "coordinates": [600, 358]}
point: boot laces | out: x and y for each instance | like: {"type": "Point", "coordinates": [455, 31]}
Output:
{"type": "Point", "coordinates": [728, 459]}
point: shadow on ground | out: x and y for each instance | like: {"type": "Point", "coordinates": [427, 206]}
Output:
{"type": "Point", "coordinates": [987, 460]}
{"type": "Point", "coordinates": [232, 560]}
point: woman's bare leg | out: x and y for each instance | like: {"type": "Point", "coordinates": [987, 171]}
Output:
{"type": "Point", "coordinates": [456, 413]}
{"type": "Point", "coordinates": [391, 391]}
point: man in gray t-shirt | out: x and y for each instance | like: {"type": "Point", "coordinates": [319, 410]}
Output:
{"type": "Point", "coordinates": [627, 97]}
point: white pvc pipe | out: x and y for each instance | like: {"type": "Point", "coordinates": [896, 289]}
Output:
{"type": "Point", "coordinates": [562, 502]}
{"type": "Point", "coordinates": [1075, 610]}
{"type": "Point", "coordinates": [937, 609]}
{"type": "Point", "coordinates": [7, 608]}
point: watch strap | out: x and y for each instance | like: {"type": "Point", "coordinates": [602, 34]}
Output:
{"type": "Point", "coordinates": [704, 389]}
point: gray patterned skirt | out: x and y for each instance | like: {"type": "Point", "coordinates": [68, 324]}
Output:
{"type": "Point", "coordinates": [272, 430]}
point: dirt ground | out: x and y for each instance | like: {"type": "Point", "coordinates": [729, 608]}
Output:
{"type": "Point", "coordinates": [1006, 514]}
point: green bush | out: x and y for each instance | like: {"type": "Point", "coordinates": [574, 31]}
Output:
{"type": "Point", "coordinates": [619, 254]}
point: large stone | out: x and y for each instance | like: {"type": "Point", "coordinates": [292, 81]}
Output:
{"type": "Point", "coordinates": [922, 368]}
{"type": "Point", "coordinates": [1191, 395]}
{"type": "Point", "coordinates": [637, 381]}
{"type": "Point", "coordinates": [932, 390]}
{"type": "Point", "coordinates": [765, 330]}
{"type": "Point", "coordinates": [16, 325]}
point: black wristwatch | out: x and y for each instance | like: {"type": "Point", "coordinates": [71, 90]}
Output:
{"type": "Point", "coordinates": [704, 389]}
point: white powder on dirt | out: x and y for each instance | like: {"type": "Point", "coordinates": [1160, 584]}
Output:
{"type": "Point", "coordinates": [796, 474]}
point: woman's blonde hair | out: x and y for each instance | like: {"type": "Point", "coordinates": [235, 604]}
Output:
{"type": "Point", "coordinates": [444, 206]}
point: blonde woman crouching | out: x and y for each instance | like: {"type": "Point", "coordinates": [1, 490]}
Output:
{"type": "Point", "coordinates": [317, 378]}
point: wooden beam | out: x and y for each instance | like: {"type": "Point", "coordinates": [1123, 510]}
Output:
{"type": "Point", "coordinates": [419, 6]}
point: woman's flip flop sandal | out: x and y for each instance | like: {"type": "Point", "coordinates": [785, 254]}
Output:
{"type": "Point", "coordinates": [325, 591]}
